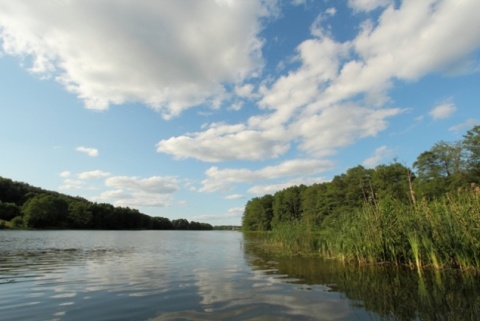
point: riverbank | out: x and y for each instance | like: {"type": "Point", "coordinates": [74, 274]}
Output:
{"type": "Point", "coordinates": [438, 234]}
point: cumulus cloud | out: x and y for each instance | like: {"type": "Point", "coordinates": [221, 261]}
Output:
{"type": "Point", "coordinates": [234, 197]}
{"type": "Point", "coordinates": [340, 126]}
{"type": "Point", "coordinates": [170, 55]}
{"type": "Point", "coordinates": [379, 154]}
{"type": "Point", "coordinates": [338, 93]}
{"type": "Point", "coordinates": [153, 191]}
{"type": "Point", "coordinates": [222, 179]}
{"type": "Point", "coordinates": [298, 2]}
{"type": "Point", "coordinates": [246, 90]}
{"type": "Point", "coordinates": [468, 124]}
{"type": "Point", "coordinates": [93, 174]}
{"type": "Point", "coordinates": [442, 111]}
{"type": "Point", "coordinates": [409, 42]}
{"type": "Point", "coordinates": [272, 188]}
{"type": "Point", "coordinates": [331, 11]}
{"type": "Point", "coordinates": [73, 184]}
{"type": "Point", "coordinates": [154, 184]}
{"type": "Point", "coordinates": [235, 212]}
{"type": "Point", "coordinates": [368, 5]}
{"type": "Point", "coordinates": [222, 142]}
{"type": "Point", "coordinates": [92, 152]}
{"type": "Point", "coordinates": [65, 174]}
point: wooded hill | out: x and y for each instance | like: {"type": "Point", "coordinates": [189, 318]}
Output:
{"type": "Point", "coordinates": [26, 206]}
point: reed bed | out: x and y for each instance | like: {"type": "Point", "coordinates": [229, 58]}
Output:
{"type": "Point", "coordinates": [443, 233]}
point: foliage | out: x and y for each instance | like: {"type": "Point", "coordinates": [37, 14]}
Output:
{"type": "Point", "coordinates": [8, 211]}
{"type": "Point", "coordinates": [22, 205]}
{"type": "Point", "coordinates": [43, 211]}
{"type": "Point", "coordinates": [471, 146]}
{"type": "Point", "coordinates": [384, 215]}
{"type": "Point", "coordinates": [311, 205]}
{"type": "Point", "coordinates": [17, 222]}
{"type": "Point", "coordinates": [258, 214]}
{"type": "Point", "coordinates": [392, 293]}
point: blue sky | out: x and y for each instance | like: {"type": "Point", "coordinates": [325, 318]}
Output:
{"type": "Point", "coordinates": [189, 108]}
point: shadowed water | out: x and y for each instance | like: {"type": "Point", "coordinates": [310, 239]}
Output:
{"type": "Point", "coordinates": [174, 275]}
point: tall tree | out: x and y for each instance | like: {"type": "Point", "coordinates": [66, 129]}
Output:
{"type": "Point", "coordinates": [314, 205]}
{"type": "Point", "coordinates": [440, 169]}
{"type": "Point", "coordinates": [258, 214]}
{"type": "Point", "coordinates": [287, 205]}
{"type": "Point", "coordinates": [392, 181]}
{"type": "Point", "coordinates": [471, 144]}
{"type": "Point", "coordinates": [79, 215]}
{"type": "Point", "coordinates": [8, 211]}
{"type": "Point", "coordinates": [358, 186]}
{"type": "Point", "coordinates": [45, 210]}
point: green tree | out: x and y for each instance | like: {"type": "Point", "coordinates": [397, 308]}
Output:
{"type": "Point", "coordinates": [102, 216]}
{"type": "Point", "coordinates": [161, 223]}
{"type": "Point", "coordinates": [287, 205]}
{"type": "Point", "coordinates": [335, 196]}
{"type": "Point", "coordinates": [440, 169]}
{"type": "Point", "coordinates": [79, 215]}
{"type": "Point", "coordinates": [17, 222]}
{"type": "Point", "coordinates": [8, 211]}
{"type": "Point", "coordinates": [16, 192]}
{"type": "Point", "coordinates": [358, 186]}
{"type": "Point", "coordinates": [180, 224]}
{"type": "Point", "coordinates": [392, 181]}
{"type": "Point", "coordinates": [314, 204]}
{"type": "Point", "coordinates": [471, 144]}
{"type": "Point", "coordinates": [258, 214]}
{"type": "Point", "coordinates": [44, 210]}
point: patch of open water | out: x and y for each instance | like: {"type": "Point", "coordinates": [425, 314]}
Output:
{"type": "Point", "coordinates": [207, 275]}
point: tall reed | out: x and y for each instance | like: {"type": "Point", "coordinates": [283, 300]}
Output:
{"type": "Point", "coordinates": [438, 234]}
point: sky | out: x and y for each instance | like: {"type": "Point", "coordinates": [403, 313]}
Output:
{"type": "Point", "coordinates": [190, 108]}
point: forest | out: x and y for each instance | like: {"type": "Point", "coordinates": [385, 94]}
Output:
{"type": "Point", "coordinates": [25, 206]}
{"type": "Point", "coordinates": [425, 216]}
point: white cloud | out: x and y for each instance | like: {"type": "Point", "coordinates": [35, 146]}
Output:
{"type": "Point", "coordinates": [338, 93]}
{"type": "Point", "coordinates": [236, 106]}
{"type": "Point", "coordinates": [170, 55]}
{"type": "Point", "coordinates": [222, 142]}
{"type": "Point", "coordinates": [154, 184]}
{"type": "Point", "coordinates": [136, 199]}
{"type": "Point", "coordinates": [380, 154]}
{"type": "Point", "coordinates": [442, 111]}
{"type": "Point", "coordinates": [153, 191]}
{"type": "Point", "coordinates": [65, 174]}
{"type": "Point", "coordinates": [73, 184]}
{"type": "Point", "coordinates": [93, 174]}
{"type": "Point", "coordinates": [272, 188]}
{"type": "Point", "coordinates": [235, 212]}
{"type": "Point", "coordinates": [368, 5]}
{"type": "Point", "coordinates": [340, 126]}
{"type": "Point", "coordinates": [331, 11]}
{"type": "Point", "coordinates": [92, 152]}
{"type": "Point", "coordinates": [222, 179]}
{"type": "Point", "coordinates": [234, 197]}
{"type": "Point", "coordinates": [409, 42]}
{"type": "Point", "coordinates": [298, 2]}
{"type": "Point", "coordinates": [468, 124]}
{"type": "Point", "coordinates": [246, 91]}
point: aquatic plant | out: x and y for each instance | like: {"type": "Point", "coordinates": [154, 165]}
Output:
{"type": "Point", "coordinates": [437, 234]}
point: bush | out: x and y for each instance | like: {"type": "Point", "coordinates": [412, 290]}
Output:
{"type": "Point", "coordinates": [8, 211]}
{"type": "Point", "coordinates": [17, 222]}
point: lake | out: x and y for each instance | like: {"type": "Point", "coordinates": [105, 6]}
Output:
{"type": "Point", "coordinates": [209, 275]}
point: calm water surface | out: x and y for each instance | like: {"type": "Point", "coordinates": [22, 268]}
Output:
{"type": "Point", "coordinates": [174, 275]}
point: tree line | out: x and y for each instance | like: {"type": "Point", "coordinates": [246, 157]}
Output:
{"type": "Point", "coordinates": [25, 206]}
{"type": "Point", "coordinates": [445, 167]}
